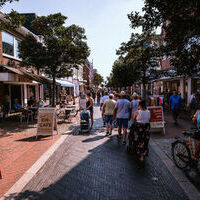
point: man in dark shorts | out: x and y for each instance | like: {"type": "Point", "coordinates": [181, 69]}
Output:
{"type": "Point", "coordinates": [122, 112]}
{"type": "Point", "coordinates": [108, 109]}
{"type": "Point", "coordinates": [174, 105]}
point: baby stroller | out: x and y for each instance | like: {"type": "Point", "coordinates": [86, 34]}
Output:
{"type": "Point", "coordinates": [84, 121]}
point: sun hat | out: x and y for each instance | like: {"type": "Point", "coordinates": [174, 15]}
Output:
{"type": "Point", "coordinates": [111, 95]}
{"type": "Point", "coordinates": [122, 93]}
{"type": "Point", "coordinates": [135, 94]}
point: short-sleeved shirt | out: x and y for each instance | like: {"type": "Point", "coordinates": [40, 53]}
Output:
{"type": "Point", "coordinates": [175, 101]}
{"type": "Point", "coordinates": [134, 106]}
{"type": "Point", "coordinates": [143, 116]}
{"type": "Point", "coordinates": [103, 99]}
{"type": "Point", "coordinates": [123, 108]}
{"type": "Point", "coordinates": [110, 106]}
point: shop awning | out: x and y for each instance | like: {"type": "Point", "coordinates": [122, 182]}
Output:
{"type": "Point", "coordinates": [28, 75]}
{"type": "Point", "coordinates": [12, 69]}
{"type": "Point", "coordinates": [36, 77]}
{"type": "Point", "coordinates": [65, 83]}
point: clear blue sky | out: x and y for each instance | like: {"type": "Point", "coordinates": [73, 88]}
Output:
{"type": "Point", "coordinates": [105, 22]}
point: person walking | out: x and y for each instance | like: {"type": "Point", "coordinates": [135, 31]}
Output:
{"type": "Point", "coordinates": [195, 103]}
{"type": "Point", "coordinates": [89, 106]}
{"type": "Point", "coordinates": [196, 119]}
{"type": "Point", "coordinates": [94, 95]}
{"type": "Point", "coordinates": [141, 130]}
{"type": "Point", "coordinates": [134, 105]}
{"type": "Point", "coordinates": [103, 99]}
{"type": "Point", "coordinates": [107, 113]}
{"type": "Point", "coordinates": [122, 113]}
{"type": "Point", "coordinates": [174, 105]}
{"type": "Point", "coordinates": [98, 97]}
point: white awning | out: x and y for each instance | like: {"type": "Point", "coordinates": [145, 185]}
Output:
{"type": "Point", "coordinates": [65, 83]}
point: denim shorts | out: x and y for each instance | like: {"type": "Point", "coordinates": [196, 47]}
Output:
{"type": "Point", "coordinates": [122, 123]}
{"type": "Point", "coordinates": [108, 119]}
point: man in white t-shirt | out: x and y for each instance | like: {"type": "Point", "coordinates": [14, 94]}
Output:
{"type": "Point", "coordinates": [108, 109]}
{"type": "Point", "coordinates": [103, 99]}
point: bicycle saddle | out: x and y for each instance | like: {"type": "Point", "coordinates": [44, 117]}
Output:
{"type": "Point", "coordinates": [187, 133]}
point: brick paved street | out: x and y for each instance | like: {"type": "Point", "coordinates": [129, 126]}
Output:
{"type": "Point", "coordinates": [96, 167]}
{"type": "Point", "coordinates": [19, 149]}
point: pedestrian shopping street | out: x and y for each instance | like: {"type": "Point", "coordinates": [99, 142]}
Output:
{"type": "Point", "coordinates": [98, 167]}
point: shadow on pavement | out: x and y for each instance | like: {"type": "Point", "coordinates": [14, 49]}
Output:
{"type": "Point", "coordinates": [93, 139]}
{"type": "Point", "coordinates": [106, 173]}
{"type": "Point", "coordinates": [33, 139]}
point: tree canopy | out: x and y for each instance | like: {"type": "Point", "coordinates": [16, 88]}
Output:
{"type": "Point", "coordinates": [98, 79]}
{"type": "Point", "coordinates": [59, 50]}
{"type": "Point", "coordinates": [138, 61]}
{"type": "Point", "coordinates": [180, 27]}
{"type": "Point", "coordinates": [13, 19]}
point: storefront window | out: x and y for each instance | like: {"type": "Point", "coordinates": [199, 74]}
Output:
{"type": "Point", "coordinates": [8, 43]}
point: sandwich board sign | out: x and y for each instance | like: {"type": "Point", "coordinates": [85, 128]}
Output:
{"type": "Point", "coordinates": [157, 117]}
{"type": "Point", "coordinates": [46, 121]}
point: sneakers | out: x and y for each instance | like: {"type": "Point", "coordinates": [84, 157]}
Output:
{"type": "Point", "coordinates": [107, 133]}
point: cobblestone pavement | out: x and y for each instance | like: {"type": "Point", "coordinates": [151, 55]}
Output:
{"type": "Point", "coordinates": [97, 167]}
{"type": "Point", "coordinates": [19, 149]}
{"type": "Point", "coordinates": [164, 143]}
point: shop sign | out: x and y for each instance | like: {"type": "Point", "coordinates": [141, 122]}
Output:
{"type": "Point", "coordinates": [46, 121]}
{"type": "Point", "coordinates": [157, 117]}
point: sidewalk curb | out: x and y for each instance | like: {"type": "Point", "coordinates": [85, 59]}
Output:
{"type": "Point", "coordinates": [31, 172]}
{"type": "Point", "coordinates": [185, 184]}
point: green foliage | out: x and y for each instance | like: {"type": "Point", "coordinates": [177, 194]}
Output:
{"type": "Point", "coordinates": [13, 19]}
{"type": "Point", "coordinates": [3, 2]}
{"type": "Point", "coordinates": [122, 75]}
{"type": "Point", "coordinates": [140, 58]}
{"type": "Point", "coordinates": [61, 48]}
{"type": "Point", "coordinates": [32, 53]}
{"type": "Point", "coordinates": [98, 79]}
{"type": "Point", "coordinates": [182, 33]}
{"type": "Point", "coordinates": [138, 61]}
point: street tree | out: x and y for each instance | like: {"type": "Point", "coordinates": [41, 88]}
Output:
{"type": "Point", "coordinates": [122, 74]}
{"type": "Point", "coordinates": [98, 79]}
{"type": "Point", "coordinates": [11, 20]}
{"type": "Point", "coordinates": [141, 58]}
{"type": "Point", "coordinates": [32, 53]}
{"type": "Point", "coordinates": [180, 24]}
{"type": "Point", "coordinates": [62, 47]}
{"type": "Point", "coordinates": [3, 2]}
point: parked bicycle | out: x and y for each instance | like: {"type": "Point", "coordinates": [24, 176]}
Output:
{"type": "Point", "coordinates": [184, 152]}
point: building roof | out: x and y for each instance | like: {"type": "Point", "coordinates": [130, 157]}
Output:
{"type": "Point", "coordinates": [21, 30]}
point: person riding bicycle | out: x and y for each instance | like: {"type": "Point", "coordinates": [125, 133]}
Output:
{"type": "Point", "coordinates": [196, 119]}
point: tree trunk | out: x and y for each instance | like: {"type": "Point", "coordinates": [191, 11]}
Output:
{"type": "Point", "coordinates": [50, 94]}
{"type": "Point", "coordinates": [143, 90]}
{"type": "Point", "coordinates": [53, 92]}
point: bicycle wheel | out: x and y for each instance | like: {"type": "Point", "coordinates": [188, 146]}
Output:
{"type": "Point", "coordinates": [181, 154]}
